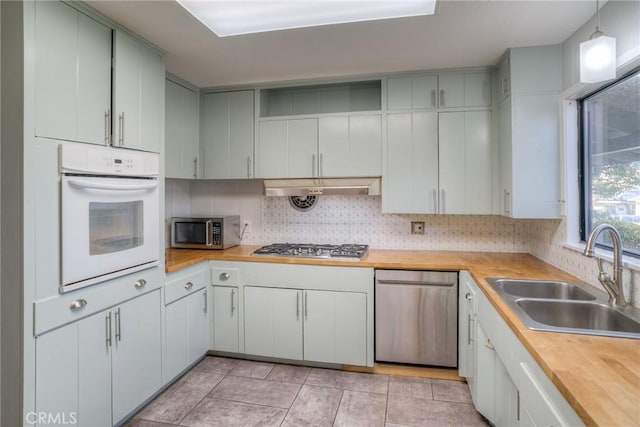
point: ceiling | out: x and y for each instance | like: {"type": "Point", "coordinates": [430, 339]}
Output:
{"type": "Point", "coordinates": [461, 34]}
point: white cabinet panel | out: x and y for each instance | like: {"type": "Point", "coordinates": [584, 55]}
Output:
{"type": "Point", "coordinates": [350, 146]}
{"type": "Point", "coordinates": [227, 134]}
{"type": "Point", "coordinates": [467, 328]}
{"type": "Point", "coordinates": [72, 76]}
{"type": "Point", "coordinates": [477, 89]}
{"type": "Point", "coordinates": [138, 94]}
{"type": "Point", "coordinates": [451, 134]}
{"type": "Point", "coordinates": [451, 90]}
{"type": "Point", "coordinates": [412, 92]}
{"type": "Point", "coordinates": [335, 328]}
{"type": "Point", "coordinates": [288, 148]}
{"type": "Point", "coordinates": [94, 370]}
{"type": "Point", "coordinates": [176, 338]}
{"type": "Point", "coordinates": [411, 178]}
{"type": "Point", "coordinates": [225, 319]}
{"type": "Point", "coordinates": [181, 131]}
{"type": "Point", "coordinates": [197, 328]}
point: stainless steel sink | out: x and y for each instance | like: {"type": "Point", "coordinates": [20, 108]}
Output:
{"type": "Point", "coordinates": [580, 316]}
{"type": "Point", "coordinates": [571, 307]}
{"type": "Point", "coordinates": [546, 289]}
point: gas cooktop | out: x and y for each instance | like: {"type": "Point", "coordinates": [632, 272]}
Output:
{"type": "Point", "coordinates": [350, 251]}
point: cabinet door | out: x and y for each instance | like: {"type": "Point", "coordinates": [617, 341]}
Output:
{"type": "Point", "coordinates": [176, 337]}
{"type": "Point", "coordinates": [506, 397]}
{"type": "Point", "coordinates": [333, 143]}
{"type": "Point", "coordinates": [365, 146]}
{"type": "Point", "coordinates": [411, 177]}
{"type": "Point", "coordinates": [467, 326]}
{"type": "Point", "coordinates": [225, 319]}
{"type": "Point", "coordinates": [335, 327]}
{"type": "Point", "coordinates": [198, 327]}
{"type": "Point", "coordinates": [412, 92]}
{"type": "Point", "coordinates": [72, 76]}
{"type": "Point", "coordinates": [95, 337]}
{"type": "Point", "coordinates": [451, 131]}
{"type": "Point", "coordinates": [137, 370]}
{"type": "Point", "coordinates": [484, 396]}
{"type": "Point", "coordinates": [273, 322]}
{"type": "Point", "coordinates": [451, 90]}
{"type": "Point", "coordinates": [228, 135]}
{"type": "Point", "coordinates": [181, 131]}
{"type": "Point", "coordinates": [302, 143]}
{"type": "Point", "coordinates": [288, 148]}
{"type": "Point", "coordinates": [138, 95]}
{"type": "Point", "coordinates": [477, 89]}
{"type": "Point", "coordinates": [504, 128]}
{"type": "Point", "coordinates": [56, 385]}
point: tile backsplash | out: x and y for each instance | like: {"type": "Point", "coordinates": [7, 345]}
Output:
{"type": "Point", "coordinates": [358, 219]}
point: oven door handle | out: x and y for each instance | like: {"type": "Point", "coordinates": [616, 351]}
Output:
{"type": "Point", "coordinates": [81, 183]}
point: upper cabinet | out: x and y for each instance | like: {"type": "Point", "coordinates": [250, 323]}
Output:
{"type": "Point", "coordinates": [227, 134]}
{"type": "Point", "coordinates": [529, 127]}
{"type": "Point", "coordinates": [181, 131]}
{"type": "Point", "coordinates": [73, 75]}
{"type": "Point", "coordinates": [445, 90]}
{"type": "Point", "coordinates": [75, 86]}
{"type": "Point", "coordinates": [138, 94]}
{"type": "Point", "coordinates": [320, 131]}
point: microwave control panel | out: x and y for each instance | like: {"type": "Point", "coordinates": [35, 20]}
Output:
{"type": "Point", "coordinates": [216, 231]}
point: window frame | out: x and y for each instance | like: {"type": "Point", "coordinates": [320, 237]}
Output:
{"type": "Point", "coordinates": [584, 170]}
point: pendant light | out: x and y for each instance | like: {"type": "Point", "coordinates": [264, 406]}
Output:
{"type": "Point", "coordinates": [598, 55]}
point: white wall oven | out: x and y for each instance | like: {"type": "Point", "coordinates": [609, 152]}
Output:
{"type": "Point", "coordinates": [110, 210]}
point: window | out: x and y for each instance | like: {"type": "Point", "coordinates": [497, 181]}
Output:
{"type": "Point", "coordinates": [610, 162]}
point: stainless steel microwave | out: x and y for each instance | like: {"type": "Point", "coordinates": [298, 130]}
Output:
{"type": "Point", "coordinates": [205, 233]}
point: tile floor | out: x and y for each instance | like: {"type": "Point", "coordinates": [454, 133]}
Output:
{"type": "Point", "coordinates": [230, 392]}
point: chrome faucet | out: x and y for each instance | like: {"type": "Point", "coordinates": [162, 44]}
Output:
{"type": "Point", "coordinates": [612, 286]}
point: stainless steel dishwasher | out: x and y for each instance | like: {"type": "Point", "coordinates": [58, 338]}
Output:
{"type": "Point", "coordinates": [417, 317]}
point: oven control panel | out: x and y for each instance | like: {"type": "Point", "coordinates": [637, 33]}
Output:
{"type": "Point", "coordinates": [78, 158]}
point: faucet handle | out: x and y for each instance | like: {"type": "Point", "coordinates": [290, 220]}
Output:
{"type": "Point", "coordinates": [600, 267]}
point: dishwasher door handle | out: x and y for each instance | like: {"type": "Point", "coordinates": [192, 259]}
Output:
{"type": "Point", "coordinates": [416, 283]}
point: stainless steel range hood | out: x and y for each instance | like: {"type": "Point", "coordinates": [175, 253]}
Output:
{"type": "Point", "coordinates": [322, 186]}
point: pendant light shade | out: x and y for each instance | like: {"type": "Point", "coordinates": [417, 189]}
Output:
{"type": "Point", "coordinates": [598, 56]}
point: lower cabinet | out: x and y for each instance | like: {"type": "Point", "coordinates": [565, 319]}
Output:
{"type": "Point", "coordinates": [225, 319]}
{"type": "Point", "coordinates": [507, 385]}
{"type": "Point", "coordinates": [100, 368]}
{"type": "Point", "coordinates": [186, 318]}
{"type": "Point", "coordinates": [313, 325]}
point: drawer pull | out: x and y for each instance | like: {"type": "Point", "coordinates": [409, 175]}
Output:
{"type": "Point", "coordinates": [188, 285]}
{"type": "Point", "coordinates": [78, 304]}
{"type": "Point", "coordinates": [140, 283]}
{"type": "Point", "coordinates": [225, 276]}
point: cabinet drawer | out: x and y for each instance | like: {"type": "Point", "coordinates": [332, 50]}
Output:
{"type": "Point", "coordinates": [184, 285]}
{"type": "Point", "coordinates": [224, 276]}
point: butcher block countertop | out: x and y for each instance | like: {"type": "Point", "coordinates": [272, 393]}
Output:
{"type": "Point", "coordinates": [598, 376]}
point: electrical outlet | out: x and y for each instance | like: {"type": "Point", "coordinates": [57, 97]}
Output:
{"type": "Point", "coordinates": [417, 227]}
{"type": "Point", "coordinates": [246, 226]}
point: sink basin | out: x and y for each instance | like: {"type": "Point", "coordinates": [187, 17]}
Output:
{"type": "Point", "coordinates": [573, 307]}
{"type": "Point", "coordinates": [588, 316]}
{"type": "Point", "coordinates": [546, 289]}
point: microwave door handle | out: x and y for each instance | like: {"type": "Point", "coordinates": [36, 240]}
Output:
{"type": "Point", "coordinates": [81, 183]}
{"type": "Point", "coordinates": [209, 232]}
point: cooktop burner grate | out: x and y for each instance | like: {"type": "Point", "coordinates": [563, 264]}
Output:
{"type": "Point", "coordinates": [349, 251]}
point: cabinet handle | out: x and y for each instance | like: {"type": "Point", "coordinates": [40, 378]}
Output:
{"type": "Point", "coordinates": [507, 196]}
{"type": "Point", "coordinates": [108, 329]}
{"type": "Point", "coordinates": [442, 97]}
{"type": "Point", "coordinates": [433, 97]}
{"type": "Point", "coordinates": [107, 114]}
{"type": "Point", "coordinates": [195, 167]}
{"type": "Point", "coordinates": [248, 166]}
{"type": "Point", "coordinates": [435, 201]}
{"type": "Point", "coordinates": [468, 297]}
{"type": "Point", "coordinates": [297, 305]}
{"type": "Point", "coordinates": [518, 407]}
{"type": "Point", "coordinates": [313, 165]}
{"type": "Point", "coordinates": [233, 306]}
{"type": "Point", "coordinates": [442, 203]}
{"type": "Point", "coordinates": [121, 130]}
{"type": "Point", "coordinates": [118, 332]}
{"type": "Point", "coordinates": [188, 285]}
{"type": "Point", "coordinates": [224, 276]}
{"type": "Point", "coordinates": [140, 283]}
{"type": "Point", "coordinates": [306, 305]}
{"type": "Point", "coordinates": [78, 304]}
{"type": "Point", "coordinates": [321, 167]}
{"type": "Point", "coordinates": [469, 322]}
{"type": "Point", "coordinates": [205, 301]}
{"type": "Point", "coordinates": [487, 343]}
